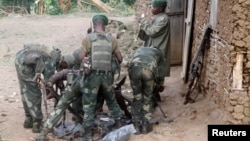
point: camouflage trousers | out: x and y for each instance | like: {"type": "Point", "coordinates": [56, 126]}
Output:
{"type": "Point", "coordinates": [142, 83]}
{"type": "Point", "coordinates": [94, 82]}
{"type": "Point", "coordinates": [70, 94]}
{"type": "Point", "coordinates": [31, 98]}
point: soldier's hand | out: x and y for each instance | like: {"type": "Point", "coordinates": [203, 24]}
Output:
{"type": "Point", "coordinates": [49, 84]}
{"type": "Point", "coordinates": [49, 93]}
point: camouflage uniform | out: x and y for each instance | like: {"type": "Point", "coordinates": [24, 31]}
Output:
{"type": "Point", "coordinates": [99, 79]}
{"type": "Point", "coordinates": [143, 72]}
{"type": "Point", "coordinates": [34, 58]}
{"type": "Point", "coordinates": [156, 32]}
{"type": "Point", "coordinates": [71, 93]}
{"type": "Point", "coordinates": [73, 61]}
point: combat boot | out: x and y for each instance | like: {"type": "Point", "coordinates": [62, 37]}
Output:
{"type": "Point", "coordinates": [118, 123]}
{"type": "Point", "coordinates": [87, 134]}
{"type": "Point", "coordinates": [28, 123]}
{"type": "Point", "coordinates": [37, 127]}
{"type": "Point", "coordinates": [146, 127]}
{"type": "Point", "coordinates": [137, 126]}
{"type": "Point", "coordinates": [43, 135]}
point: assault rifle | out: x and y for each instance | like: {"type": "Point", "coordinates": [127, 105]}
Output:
{"type": "Point", "coordinates": [196, 67]}
{"type": "Point", "coordinates": [157, 99]}
{"type": "Point", "coordinates": [120, 99]}
{"type": "Point", "coordinates": [71, 110]}
{"type": "Point", "coordinates": [41, 84]}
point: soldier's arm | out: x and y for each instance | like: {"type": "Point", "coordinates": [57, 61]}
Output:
{"type": "Point", "coordinates": [117, 51]}
{"type": "Point", "coordinates": [157, 28]}
{"type": "Point", "coordinates": [59, 76]}
{"type": "Point", "coordinates": [86, 45]}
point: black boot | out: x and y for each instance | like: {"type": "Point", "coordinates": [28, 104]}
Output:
{"type": "Point", "coordinates": [146, 127]}
{"type": "Point", "coordinates": [137, 126]}
{"type": "Point", "coordinates": [28, 123]}
{"type": "Point", "coordinates": [37, 127]}
{"type": "Point", "coordinates": [88, 134]}
{"type": "Point", "coordinates": [43, 135]}
{"type": "Point", "coordinates": [118, 123]}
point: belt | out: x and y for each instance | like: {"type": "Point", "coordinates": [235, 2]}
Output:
{"type": "Point", "coordinates": [144, 65]}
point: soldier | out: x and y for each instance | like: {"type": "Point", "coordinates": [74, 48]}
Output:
{"type": "Point", "coordinates": [71, 93]}
{"type": "Point", "coordinates": [34, 59]}
{"type": "Point", "coordinates": [146, 70]}
{"type": "Point", "coordinates": [98, 49]}
{"type": "Point", "coordinates": [72, 61]}
{"type": "Point", "coordinates": [156, 32]}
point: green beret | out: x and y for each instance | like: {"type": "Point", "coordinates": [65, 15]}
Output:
{"type": "Point", "coordinates": [159, 3]}
{"type": "Point", "coordinates": [103, 17]}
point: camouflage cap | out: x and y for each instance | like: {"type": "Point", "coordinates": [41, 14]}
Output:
{"type": "Point", "coordinates": [159, 3]}
{"type": "Point", "coordinates": [100, 16]}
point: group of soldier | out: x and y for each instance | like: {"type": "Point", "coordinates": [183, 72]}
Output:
{"type": "Point", "coordinates": [92, 72]}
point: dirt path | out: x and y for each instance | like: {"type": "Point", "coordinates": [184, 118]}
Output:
{"type": "Point", "coordinates": [65, 32]}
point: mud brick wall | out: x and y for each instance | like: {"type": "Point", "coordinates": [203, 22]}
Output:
{"type": "Point", "coordinates": [230, 37]}
{"type": "Point", "coordinates": [239, 100]}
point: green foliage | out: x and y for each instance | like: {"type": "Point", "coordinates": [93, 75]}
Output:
{"type": "Point", "coordinates": [52, 7]}
{"type": "Point", "coordinates": [123, 9]}
{"type": "Point", "coordinates": [129, 2]}
{"type": "Point", "coordinates": [92, 9]}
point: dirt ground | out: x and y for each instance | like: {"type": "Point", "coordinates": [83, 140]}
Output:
{"type": "Point", "coordinates": [189, 122]}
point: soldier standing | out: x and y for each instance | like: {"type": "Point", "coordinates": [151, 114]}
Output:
{"type": "Point", "coordinates": [34, 59]}
{"type": "Point", "coordinates": [156, 32]}
{"type": "Point", "coordinates": [146, 70]}
{"type": "Point", "coordinates": [99, 47]}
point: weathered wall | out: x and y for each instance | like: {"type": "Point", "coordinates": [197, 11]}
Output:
{"type": "Point", "coordinates": [230, 37]}
{"type": "Point", "coordinates": [239, 100]}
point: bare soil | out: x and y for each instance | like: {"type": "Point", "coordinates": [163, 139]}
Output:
{"type": "Point", "coordinates": [189, 122]}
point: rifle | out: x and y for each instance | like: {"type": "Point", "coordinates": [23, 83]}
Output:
{"type": "Point", "coordinates": [41, 84]}
{"type": "Point", "coordinates": [157, 98]}
{"type": "Point", "coordinates": [120, 98]}
{"type": "Point", "coordinates": [71, 110]}
{"type": "Point", "coordinates": [196, 67]}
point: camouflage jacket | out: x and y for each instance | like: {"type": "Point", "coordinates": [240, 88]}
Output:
{"type": "Point", "coordinates": [150, 58]}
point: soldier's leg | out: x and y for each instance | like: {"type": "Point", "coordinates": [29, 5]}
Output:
{"type": "Point", "coordinates": [147, 103]}
{"type": "Point", "coordinates": [33, 99]}
{"type": "Point", "coordinates": [136, 107]}
{"type": "Point", "coordinates": [89, 90]}
{"type": "Point", "coordinates": [109, 96]}
{"type": "Point", "coordinates": [77, 106]}
{"type": "Point", "coordinates": [28, 122]}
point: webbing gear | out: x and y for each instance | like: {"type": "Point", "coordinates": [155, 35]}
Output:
{"type": "Point", "coordinates": [101, 52]}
